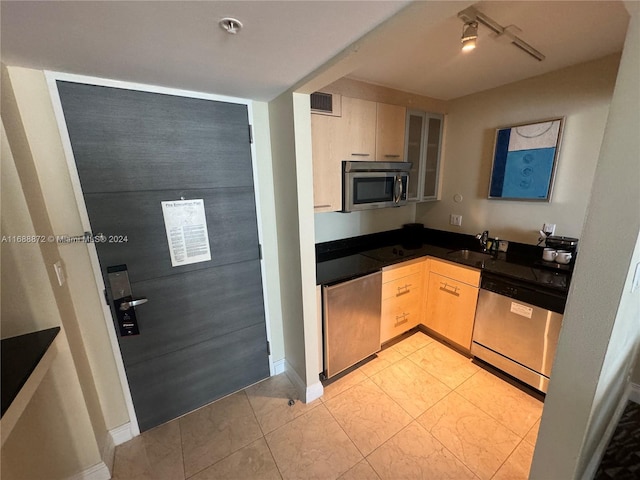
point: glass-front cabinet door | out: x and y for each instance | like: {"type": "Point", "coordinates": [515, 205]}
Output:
{"type": "Point", "coordinates": [413, 153]}
{"type": "Point", "coordinates": [423, 148]}
{"type": "Point", "coordinates": [432, 157]}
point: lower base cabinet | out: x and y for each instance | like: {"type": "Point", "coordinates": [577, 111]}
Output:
{"type": "Point", "coordinates": [402, 298]}
{"type": "Point", "coordinates": [452, 296]}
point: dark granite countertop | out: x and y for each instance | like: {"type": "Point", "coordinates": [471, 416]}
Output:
{"type": "Point", "coordinates": [20, 356]}
{"type": "Point", "coordinates": [351, 258]}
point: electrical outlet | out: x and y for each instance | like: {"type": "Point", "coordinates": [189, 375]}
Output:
{"type": "Point", "coordinates": [455, 220]}
{"type": "Point", "coordinates": [549, 228]}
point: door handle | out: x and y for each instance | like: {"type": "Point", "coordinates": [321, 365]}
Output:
{"type": "Point", "coordinates": [453, 290]}
{"type": "Point", "coordinates": [124, 306]}
{"type": "Point", "coordinates": [398, 189]}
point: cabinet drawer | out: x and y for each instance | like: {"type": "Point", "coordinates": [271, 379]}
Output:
{"type": "Point", "coordinates": [403, 269]}
{"type": "Point", "coordinates": [461, 273]}
{"type": "Point", "coordinates": [398, 317]}
{"type": "Point", "coordinates": [403, 287]}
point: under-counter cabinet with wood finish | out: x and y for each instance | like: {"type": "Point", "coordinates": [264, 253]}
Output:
{"type": "Point", "coordinates": [402, 297]}
{"type": "Point", "coordinates": [451, 298]}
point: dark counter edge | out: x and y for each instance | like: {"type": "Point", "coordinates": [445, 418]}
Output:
{"type": "Point", "coordinates": [20, 356]}
{"type": "Point", "coordinates": [430, 242]}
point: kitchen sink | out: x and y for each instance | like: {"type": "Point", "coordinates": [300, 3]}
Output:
{"type": "Point", "coordinates": [469, 255]}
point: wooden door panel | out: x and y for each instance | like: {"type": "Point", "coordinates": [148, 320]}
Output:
{"type": "Point", "coordinates": [193, 308]}
{"type": "Point", "coordinates": [131, 140]}
{"type": "Point", "coordinates": [174, 384]}
{"type": "Point", "coordinates": [231, 224]}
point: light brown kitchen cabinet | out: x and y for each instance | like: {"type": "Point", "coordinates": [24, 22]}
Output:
{"type": "Point", "coordinates": [351, 136]}
{"type": "Point", "coordinates": [451, 298]}
{"type": "Point", "coordinates": [402, 298]}
{"type": "Point", "coordinates": [366, 131]}
{"type": "Point", "coordinates": [327, 162]}
{"type": "Point", "coordinates": [358, 136]}
{"type": "Point", "coordinates": [390, 132]}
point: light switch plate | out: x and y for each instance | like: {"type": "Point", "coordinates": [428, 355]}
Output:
{"type": "Point", "coordinates": [636, 279]}
{"type": "Point", "coordinates": [59, 272]}
{"type": "Point", "coordinates": [455, 220]}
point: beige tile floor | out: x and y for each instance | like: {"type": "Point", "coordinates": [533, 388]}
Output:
{"type": "Point", "coordinates": [418, 411]}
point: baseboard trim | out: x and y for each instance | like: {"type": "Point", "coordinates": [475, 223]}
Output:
{"type": "Point", "coordinates": [108, 451]}
{"type": "Point", "coordinates": [596, 458]}
{"type": "Point", "coordinates": [98, 471]}
{"type": "Point", "coordinates": [634, 394]}
{"type": "Point", "coordinates": [307, 393]}
{"type": "Point", "coordinates": [279, 367]}
{"type": "Point", "coordinates": [121, 434]}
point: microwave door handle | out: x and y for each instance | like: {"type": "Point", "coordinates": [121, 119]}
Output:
{"type": "Point", "coordinates": [398, 189]}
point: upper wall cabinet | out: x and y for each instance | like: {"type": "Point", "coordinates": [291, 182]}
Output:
{"type": "Point", "coordinates": [359, 129]}
{"type": "Point", "coordinates": [366, 130]}
{"type": "Point", "coordinates": [390, 132]}
{"type": "Point", "coordinates": [350, 136]}
{"type": "Point", "coordinates": [326, 134]}
{"type": "Point", "coordinates": [423, 149]}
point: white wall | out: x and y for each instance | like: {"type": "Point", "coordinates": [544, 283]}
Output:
{"type": "Point", "coordinates": [304, 174]}
{"type": "Point", "coordinates": [54, 438]}
{"type": "Point", "coordinates": [334, 225]}
{"type": "Point", "coordinates": [293, 185]}
{"type": "Point", "coordinates": [267, 215]}
{"type": "Point", "coordinates": [600, 333]}
{"type": "Point", "coordinates": [287, 227]}
{"type": "Point", "coordinates": [581, 94]}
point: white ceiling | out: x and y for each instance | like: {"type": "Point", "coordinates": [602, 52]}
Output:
{"type": "Point", "coordinates": [179, 44]}
{"type": "Point", "coordinates": [430, 62]}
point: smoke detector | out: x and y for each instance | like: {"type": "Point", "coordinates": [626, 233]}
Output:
{"type": "Point", "coordinates": [231, 25]}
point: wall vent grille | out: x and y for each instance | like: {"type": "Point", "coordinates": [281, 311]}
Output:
{"type": "Point", "coordinates": [325, 103]}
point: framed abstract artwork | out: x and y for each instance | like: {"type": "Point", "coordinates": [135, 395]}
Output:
{"type": "Point", "coordinates": [525, 157]}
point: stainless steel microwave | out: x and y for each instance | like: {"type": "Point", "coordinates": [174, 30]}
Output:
{"type": "Point", "coordinates": [367, 185]}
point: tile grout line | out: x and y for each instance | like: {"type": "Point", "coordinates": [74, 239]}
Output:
{"type": "Point", "coordinates": [496, 419]}
{"type": "Point", "coordinates": [264, 435]}
{"type": "Point", "coordinates": [350, 439]}
{"type": "Point", "coordinates": [184, 468]}
{"type": "Point", "coordinates": [508, 457]}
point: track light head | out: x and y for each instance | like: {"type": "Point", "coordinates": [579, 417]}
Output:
{"type": "Point", "coordinates": [469, 35]}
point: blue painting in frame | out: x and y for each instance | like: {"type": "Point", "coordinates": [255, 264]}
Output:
{"type": "Point", "coordinates": [525, 157]}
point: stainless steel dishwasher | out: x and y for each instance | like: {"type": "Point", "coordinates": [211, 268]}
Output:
{"type": "Point", "coordinates": [351, 326]}
{"type": "Point", "coordinates": [517, 327]}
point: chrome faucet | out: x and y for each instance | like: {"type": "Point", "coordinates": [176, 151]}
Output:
{"type": "Point", "coordinates": [484, 238]}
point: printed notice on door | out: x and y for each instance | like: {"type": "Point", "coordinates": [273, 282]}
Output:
{"type": "Point", "coordinates": [186, 227]}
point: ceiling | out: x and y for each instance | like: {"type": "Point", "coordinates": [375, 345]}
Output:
{"type": "Point", "coordinates": [180, 45]}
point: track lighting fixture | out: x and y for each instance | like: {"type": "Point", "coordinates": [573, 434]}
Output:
{"type": "Point", "coordinates": [471, 17]}
{"type": "Point", "coordinates": [469, 36]}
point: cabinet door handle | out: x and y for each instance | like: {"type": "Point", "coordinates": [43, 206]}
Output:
{"type": "Point", "coordinates": [452, 289]}
{"type": "Point", "coordinates": [403, 290]}
{"type": "Point", "coordinates": [400, 319]}
{"type": "Point", "coordinates": [392, 156]}
{"type": "Point", "coordinates": [360, 154]}
{"type": "Point", "coordinates": [321, 206]}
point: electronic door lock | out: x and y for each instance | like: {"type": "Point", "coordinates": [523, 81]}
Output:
{"type": "Point", "coordinates": [122, 301]}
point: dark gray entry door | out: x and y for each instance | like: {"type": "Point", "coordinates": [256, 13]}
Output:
{"type": "Point", "coordinates": [202, 332]}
